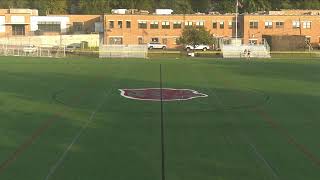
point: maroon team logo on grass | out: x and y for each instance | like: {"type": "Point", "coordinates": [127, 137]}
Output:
{"type": "Point", "coordinates": [154, 94]}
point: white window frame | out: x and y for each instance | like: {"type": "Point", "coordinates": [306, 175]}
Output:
{"type": "Point", "coordinates": [221, 23]}
{"type": "Point", "coordinates": [306, 25]}
{"type": "Point", "coordinates": [254, 27]}
{"type": "Point", "coordinates": [154, 23]}
{"type": "Point", "coordinates": [2, 24]}
{"type": "Point", "coordinates": [230, 24]}
{"type": "Point", "coordinates": [188, 23]}
{"type": "Point", "coordinates": [177, 23]}
{"type": "Point", "coordinates": [165, 23]}
{"type": "Point", "coordinates": [296, 24]}
{"type": "Point", "coordinates": [268, 24]}
{"type": "Point", "coordinates": [200, 23]}
{"type": "Point", "coordinates": [277, 26]}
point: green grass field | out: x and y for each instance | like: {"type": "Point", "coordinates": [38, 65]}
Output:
{"type": "Point", "coordinates": [64, 119]}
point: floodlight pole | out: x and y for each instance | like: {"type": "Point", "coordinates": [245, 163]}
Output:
{"type": "Point", "coordinates": [163, 175]}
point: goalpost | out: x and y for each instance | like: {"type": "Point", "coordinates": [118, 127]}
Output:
{"type": "Point", "coordinates": [123, 51]}
{"type": "Point", "coordinates": [32, 51]}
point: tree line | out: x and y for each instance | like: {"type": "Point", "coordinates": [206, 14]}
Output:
{"type": "Point", "coordinates": [179, 6]}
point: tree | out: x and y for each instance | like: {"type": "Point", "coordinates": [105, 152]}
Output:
{"type": "Point", "coordinates": [223, 6]}
{"type": "Point", "coordinates": [50, 6]}
{"type": "Point", "coordinates": [95, 6]}
{"type": "Point", "coordinates": [14, 4]}
{"type": "Point", "coordinates": [201, 5]}
{"type": "Point", "coordinates": [196, 36]}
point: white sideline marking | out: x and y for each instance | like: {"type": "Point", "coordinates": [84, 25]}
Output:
{"type": "Point", "coordinates": [199, 95]}
{"type": "Point", "coordinates": [83, 128]}
{"type": "Point", "coordinates": [264, 160]}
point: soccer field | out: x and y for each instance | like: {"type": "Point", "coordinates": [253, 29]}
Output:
{"type": "Point", "coordinates": [65, 119]}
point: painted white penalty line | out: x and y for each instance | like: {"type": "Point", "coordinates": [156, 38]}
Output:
{"type": "Point", "coordinates": [75, 139]}
{"type": "Point", "coordinates": [260, 156]}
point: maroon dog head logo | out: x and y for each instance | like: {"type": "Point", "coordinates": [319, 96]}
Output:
{"type": "Point", "coordinates": [154, 94]}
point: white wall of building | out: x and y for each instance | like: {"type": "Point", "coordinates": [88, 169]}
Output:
{"type": "Point", "coordinates": [2, 24]}
{"type": "Point", "coordinates": [18, 19]}
{"type": "Point", "coordinates": [52, 40]}
{"type": "Point", "coordinates": [64, 21]}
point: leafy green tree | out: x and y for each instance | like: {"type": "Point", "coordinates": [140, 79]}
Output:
{"type": "Point", "coordinates": [46, 7]}
{"type": "Point", "coordinates": [223, 6]}
{"type": "Point", "coordinates": [201, 5]}
{"type": "Point", "coordinates": [95, 6]}
{"type": "Point", "coordinates": [178, 6]}
{"type": "Point", "coordinates": [14, 3]}
{"type": "Point", "coordinates": [196, 36]}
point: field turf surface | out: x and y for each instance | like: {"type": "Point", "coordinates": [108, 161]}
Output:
{"type": "Point", "coordinates": [64, 119]}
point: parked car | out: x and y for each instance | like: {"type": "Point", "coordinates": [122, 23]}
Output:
{"type": "Point", "coordinates": [156, 45]}
{"type": "Point", "coordinates": [73, 47]}
{"type": "Point", "coordinates": [30, 49]}
{"type": "Point", "coordinates": [197, 47]}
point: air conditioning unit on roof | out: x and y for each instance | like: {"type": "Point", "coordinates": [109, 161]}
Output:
{"type": "Point", "coordinates": [164, 11]}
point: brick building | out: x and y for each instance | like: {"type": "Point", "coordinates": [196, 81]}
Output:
{"type": "Point", "coordinates": [164, 28]}
{"type": "Point", "coordinates": [27, 22]}
{"type": "Point", "coordinates": [142, 29]}
{"type": "Point", "coordinates": [15, 21]}
{"type": "Point", "coordinates": [286, 22]}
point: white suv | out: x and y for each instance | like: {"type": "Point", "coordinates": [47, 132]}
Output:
{"type": "Point", "coordinates": [157, 45]}
{"type": "Point", "coordinates": [198, 47]}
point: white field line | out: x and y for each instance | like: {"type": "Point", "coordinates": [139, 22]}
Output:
{"type": "Point", "coordinates": [75, 139]}
{"type": "Point", "coordinates": [261, 157]}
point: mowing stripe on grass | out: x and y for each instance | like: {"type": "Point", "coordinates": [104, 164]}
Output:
{"type": "Point", "coordinates": [37, 133]}
{"type": "Point", "coordinates": [244, 136]}
{"type": "Point", "coordinates": [291, 140]}
{"type": "Point", "coordinates": [75, 139]}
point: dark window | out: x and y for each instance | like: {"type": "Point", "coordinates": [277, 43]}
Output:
{"type": "Point", "coordinates": [177, 25]}
{"type": "Point", "coordinates": [154, 25]}
{"type": "Point", "coordinates": [222, 25]}
{"type": "Point", "coordinates": [165, 25]}
{"type": "Point", "coordinates": [142, 24]}
{"type": "Point", "coordinates": [119, 24]}
{"type": "Point", "coordinates": [49, 26]}
{"type": "Point", "coordinates": [279, 24]}
{"type": "Point", "coordinates": [154, 39]}
{"type": "Point", "coordinates": [18, 30]}
{"type": "Point", "coordinates": [214, 25]}
{"type": "Point", "coordinates": [115, 40]}
{"type": "Point", "coordinates": [254, 24]}
{"type": "Point", "coordinates": [78, 26]}
{"type": "Point", "coordinates": [230, 25]}
{"type": "Point", "coordinates": [111, 24]}
{"type": "Point", "coordinates": [128, 24]}
{"type": "Point", "coordinates": [140, 40]}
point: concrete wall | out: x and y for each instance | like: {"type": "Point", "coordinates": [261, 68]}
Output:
{"type": "Point", "coordinates": [92, 39]}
